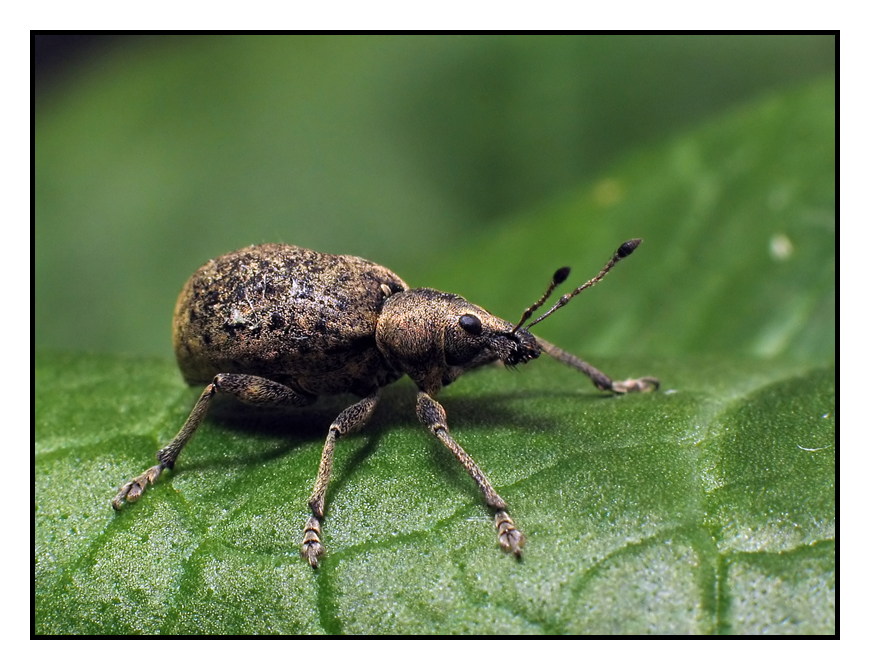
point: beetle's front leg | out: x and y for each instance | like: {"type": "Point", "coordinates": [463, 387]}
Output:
{"type": "Point", "coordinates": [601, 380]}
{"type": "Point", "coordinates": [433, 416]}
{"type": "Point", "coordinates": [352, 419]}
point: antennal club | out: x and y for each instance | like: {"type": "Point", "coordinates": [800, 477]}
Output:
{"type": "Point", "coordinates": [558, 277]}
{"type": "Point", "coordinates": [624, 250]}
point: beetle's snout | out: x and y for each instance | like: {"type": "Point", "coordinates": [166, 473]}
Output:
{"type": "Point", "coordinates": [523, 348]}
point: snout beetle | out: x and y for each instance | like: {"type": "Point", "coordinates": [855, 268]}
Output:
{"type": "Point", "coordinates": [277, 325]}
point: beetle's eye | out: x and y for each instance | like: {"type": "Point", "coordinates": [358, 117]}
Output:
{"type": "Point", "coordinates": [470, 324]}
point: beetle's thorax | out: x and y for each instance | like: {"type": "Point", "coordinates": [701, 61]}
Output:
{"type": "Point", "coordinates": [434, 337]}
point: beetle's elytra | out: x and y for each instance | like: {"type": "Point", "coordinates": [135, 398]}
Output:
{"type": "Point", "coordinates": [278, 325]}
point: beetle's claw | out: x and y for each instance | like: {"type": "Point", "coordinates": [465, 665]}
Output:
{"type": "Point", "coordinates": [636, 385]}
{"type": "Point", "coordinates": [312, 549]}
{"type": "Point", "coordinates": [509, 537]}
{"type": "Point", "coordinates": [132, 490]}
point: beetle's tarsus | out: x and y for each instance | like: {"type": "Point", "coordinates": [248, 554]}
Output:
{"type": "Point", "coordinates": [312, 549]}
{"type": "Point", "coordinates": [509, 537]}
{"type": "Point", "coordinates": [132, 490]}
{"type": "Point", "coordinates": [641, 385]}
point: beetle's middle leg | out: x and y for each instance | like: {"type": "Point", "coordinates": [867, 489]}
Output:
{"type": "Point", "coordinates": [249, 389]}
{"type": "Point", "coordinates": [601, 380]}
{"type": "Point", "coordinates": [350, 420]}
{"type": "Point", "coordinates": [433, 416]}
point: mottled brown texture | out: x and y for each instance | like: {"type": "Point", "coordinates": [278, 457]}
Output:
{"type": "Point", "coordinates": [276, 325]}
{"type": "Point", "coordinates": [301, 318]}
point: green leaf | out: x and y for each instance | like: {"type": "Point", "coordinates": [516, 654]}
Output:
{"type": "Point", "coordinates": [707, 507]}
{"type": "Point", "coordinates": [704, 508]}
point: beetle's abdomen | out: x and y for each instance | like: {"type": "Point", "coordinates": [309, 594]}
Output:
{"type": "Point", "coordinates": [285, 313]}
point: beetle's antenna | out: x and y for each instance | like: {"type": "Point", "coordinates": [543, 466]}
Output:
{"type": "Point", "coordinates": [558, 277]}
{"type": "Point", "coordinates": [624, 250]}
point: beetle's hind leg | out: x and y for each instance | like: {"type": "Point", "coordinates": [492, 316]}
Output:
{"type": "Point", "coordinates": [249, 389]}
{"type": "Point", "coordinates": [601, 380]}
{"type": "Point", "coordinates": [350, 420]}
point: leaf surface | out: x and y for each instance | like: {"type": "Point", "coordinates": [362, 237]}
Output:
{"type": "Point", "coordinates": [704, 508]}
{"type": "Point", "coordinates": [708, 507]}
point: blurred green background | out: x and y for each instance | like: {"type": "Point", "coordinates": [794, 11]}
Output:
{"type": "Point", "coordinates": [472, 164]}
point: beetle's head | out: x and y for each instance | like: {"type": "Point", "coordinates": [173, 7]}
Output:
{"type": "Point", "coordinates": [434, 337]}
{"type": "Point", "coordinates": [473, 337]}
